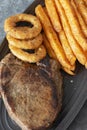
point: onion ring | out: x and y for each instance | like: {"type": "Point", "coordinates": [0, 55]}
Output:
{"type": "Point", "coordinates": [26, 44]}
{"type": "Point", "coordinates": [22, 32]}
{"type": "Point", "coordinates": [39, 54]}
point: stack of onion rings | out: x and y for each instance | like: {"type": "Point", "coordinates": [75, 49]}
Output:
{"type": "Point", "coordinates": [25, 38]}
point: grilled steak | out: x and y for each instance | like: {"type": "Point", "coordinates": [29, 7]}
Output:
{"type": "Point", "coordinates": [32, 93]}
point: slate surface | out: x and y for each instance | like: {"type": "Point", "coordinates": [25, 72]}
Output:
{"type": "Point", "coordinates": [80, 122]}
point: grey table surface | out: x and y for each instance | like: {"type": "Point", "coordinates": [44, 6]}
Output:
{"type": "Point", "coordinates": [11, 7]}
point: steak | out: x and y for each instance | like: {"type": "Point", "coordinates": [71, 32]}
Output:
{"type": "Point", "coordinates": [32, 93]}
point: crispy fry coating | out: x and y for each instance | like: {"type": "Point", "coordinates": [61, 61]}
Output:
{"type": "Point", "coordinates": [52, 37]}
{"type": "Point", "coordinates": [73, 22]}
{"type": "Point", "coordinates": [48, 47]}
{"type": "Point", "coordinates": [80, 19]}
{"type": "Point", "coordinates": [67, 49]}
{"type": "Point", "coordinates": [68, 71]}
{"type": "Point", "coordinates": [77, 50]}
{"type": "Point", "coordinates": [51, 10]}
{"type": "Point", "coordinates": [50, 6]}
{"type": "Point", "coordinates": [85, 2]}
{"type": "Point", "coordinates": [82, 8]}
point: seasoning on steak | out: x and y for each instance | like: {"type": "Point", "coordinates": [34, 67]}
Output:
{"type": "Point", "coordinates": [32, 93]}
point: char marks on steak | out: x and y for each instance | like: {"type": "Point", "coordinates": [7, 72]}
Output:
{"type": "Point", "coordinates": [32, 93]}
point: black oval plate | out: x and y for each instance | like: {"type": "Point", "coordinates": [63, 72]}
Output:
{"type": "Point", "coordinates": [75, 92]}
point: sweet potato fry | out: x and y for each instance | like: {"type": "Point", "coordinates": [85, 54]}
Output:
{"type": "Point", "coordinates": [80, 19]}
{"type": "Point", "coordinates": [52, 37]}
{"type": "Point", "coordinates": [48, 47]}
{"type": "Point", "coordinates": [82, 8]}
{"type": "Point", "coordinates": [74, 25]}
{"type": "Point", "coordinates": [68, 71]}
{"type": "Point", "coordinates": [44, 8]}
{"type": "Point", "coordinates": [50, 6]}
{"type": "Point", "coordinates": [52, 54]}
{"type": "Point", "coordinates": [77, 50]}
{"type": "Point", "coordinates": [67, 49]}
{"type": "Point", "coordinates": [85, 2]}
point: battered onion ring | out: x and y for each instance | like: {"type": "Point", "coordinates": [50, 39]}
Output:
{"type": "Point", "coordinates": [26, 44]}
{"type": "Point", "coordinates": [22, 32]}
{"type": "Point", "coordinates": [39, 54]}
